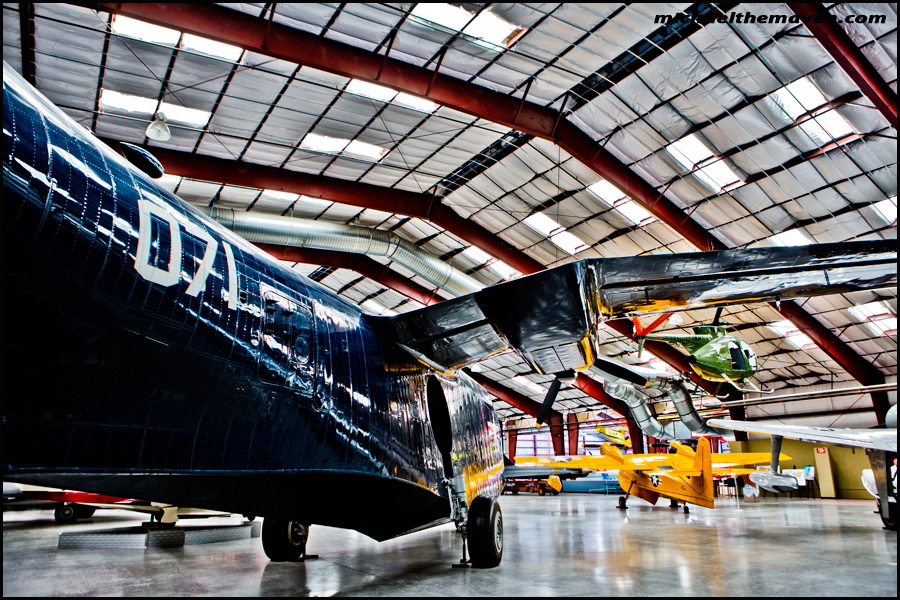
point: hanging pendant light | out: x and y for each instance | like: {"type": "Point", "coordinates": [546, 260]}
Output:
{"type": "Point", "coordinates": [158, 130]}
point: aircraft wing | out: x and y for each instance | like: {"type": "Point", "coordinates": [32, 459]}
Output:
{"type": "Point", "coordinates": [878, 439]}
{"type": "Point", "coordinates": [549, 317]}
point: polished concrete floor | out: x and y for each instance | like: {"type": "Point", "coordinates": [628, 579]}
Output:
{"type": "Point", "coordinates": [572, 544]}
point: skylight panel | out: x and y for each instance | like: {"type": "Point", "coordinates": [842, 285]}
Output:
{"type": "Point", "coordinates": [191, 117]}
{"type": "Point", "coordinates": [323, 143]}
{"type": "Point", "coordinates": [451, 17]}
{"type": "Point", "coordinates": [606, 191]}
{"type": "Point", "coordinates": [887, 209]}
{"type": "Point", "coordinates": [542, 224]}
{"type": "Point", "coordinates": [135, 105]}
{"type": "Point", "coordinates": [487, 29]}
{"type": "Point", "coordinates": [877, 317]}
{"type": "Point", "coordinates": [802, 97]}
{"type": "Point", "coordinates": [690, 152]}
{"type": "Point", "coordinates": [524, 381]}
{"type": "Point", "coordinates": [202, 45]}
{"type": "Point", "coordinates": [144, 31]}
{"type": "Point", "coordinates": [370, 90]}
{"type": "Point", "coordinates": [476, 254]}
{"type": "Point", "coordinates": [377, 309]}
{"type": "Point", "coordinates": [717, 175]}
{"type": "Point", "coordinates": [794, 237]}
{"type": "Point", "coordinates": [568, 242]}
{"type": "Point", "coordinates": [503, 270]}
{"type": "Point", "coordinates": [555, 233]}
{"type": "Point", "coordinates": [790, 332]}
{"type": "Point", "coordinates": [634, 212]}
{"type": "Point", "coordinates": [419, 104]}
{"type": "Point", "coordinates": [364, 150]}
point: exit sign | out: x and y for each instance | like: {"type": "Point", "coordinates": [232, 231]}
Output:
{"type": "Point", "coordinates": [820, 450]}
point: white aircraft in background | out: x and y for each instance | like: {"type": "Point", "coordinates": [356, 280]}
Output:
{"type": "Point", "coordinates": [879, 443]}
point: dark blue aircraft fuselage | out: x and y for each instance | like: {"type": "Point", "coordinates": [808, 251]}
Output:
{"type": "Point", "coordinates": [152, 354]}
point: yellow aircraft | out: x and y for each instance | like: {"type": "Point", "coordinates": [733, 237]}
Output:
{"type": "Point", "coordinates": [684, 476]}
{"type": "Point", "coordinates": [617, 434]}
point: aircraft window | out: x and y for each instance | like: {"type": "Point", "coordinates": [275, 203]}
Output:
{"type": "Point", "coordinates": [301, 347]}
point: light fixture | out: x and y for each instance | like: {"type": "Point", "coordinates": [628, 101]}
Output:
{"type": "Point", "coordinates": [158, 130]}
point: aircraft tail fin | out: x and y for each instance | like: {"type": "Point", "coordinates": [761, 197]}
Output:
{"type": "Point", "coordinates": [703, 483]}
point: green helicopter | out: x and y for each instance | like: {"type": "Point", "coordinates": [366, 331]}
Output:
{"type": "Point", "coordinates": [714, 355]}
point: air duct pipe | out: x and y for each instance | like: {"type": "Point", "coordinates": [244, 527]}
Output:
{"type": "Point", "coordinates": [685, 407]}
{"type": "Point", "coordinates": [624, 391]}
{"type": "Point", "coordinates": [303, 233]}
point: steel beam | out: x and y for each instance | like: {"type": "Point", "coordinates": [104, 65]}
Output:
{"type": "Point", "coordinates": [572, 431]}
{"type": "Point", "coordinates": [356, 262]}
{"type": "Point", "coordinates": [513, 436]}
{"type": "Point", "coordinates": [824, 26]}
{"type": "Point", "coordinates": [363, 195]}
{"type": "Point", "coordinates": [595, 389]}
{"type": "Point", "coordinates": [526, 405]}
{"type": "Point", "coordinates": [280, 41]}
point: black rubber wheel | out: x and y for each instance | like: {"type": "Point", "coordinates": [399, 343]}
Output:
{"type": "Point", "coordinates": [284, 540]}
{"type": "Point", "coordinates": [890, 522]}
{"type": "Point", "coordinates": [515, 492]}
{"type": "Point", "coordinates": [540, 491]}
{"type": "Point", "coordinates": [84, 512]}
{"type": "Point", "coordinates": [485, 531]}
{"type": "Point", "coordinates": [686, 511]}
{"type": "Point", "coordinates": [65, 514]}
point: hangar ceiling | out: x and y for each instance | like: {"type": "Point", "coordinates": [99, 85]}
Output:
{"type": "Point", "coordinates": [496, 154]}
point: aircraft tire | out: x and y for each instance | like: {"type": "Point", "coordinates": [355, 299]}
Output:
{"type": "Point", "coordinates": [540, 491]}
{"type": "Point", "coordinates": [890, 522]}
{"type": "Point", "coordinates": [284, 540]}
{"type": "Point", "coordinates": [485, 529]}
{"type": "Point", "coordinates": [65, 514]}
{"type": "Point", "coordinates": [84, 512]}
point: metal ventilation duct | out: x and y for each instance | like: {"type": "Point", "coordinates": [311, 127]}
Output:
{"type": "Point", "coordinates": [673, 386]}
{"type": "Point", "coordinates": [303, 233]}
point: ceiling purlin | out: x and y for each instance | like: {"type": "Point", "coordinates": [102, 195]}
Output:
{"type": "Point", "coordinates": [328, 55]}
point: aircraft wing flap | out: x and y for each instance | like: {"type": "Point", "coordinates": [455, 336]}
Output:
{"type": "Point", "coordinates": [878, 439]}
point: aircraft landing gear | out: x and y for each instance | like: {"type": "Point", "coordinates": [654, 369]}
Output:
{"type": "Point", "coordinates": [686, 511]}
{"type": "Point", "coordinates": [674, 504]}
{"type": "Point", "coordinates": [485, 529]}
{"type": "Point", "coordinates": [285, 540]}
{"type": "Point", "coordinates": [622, 504]}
